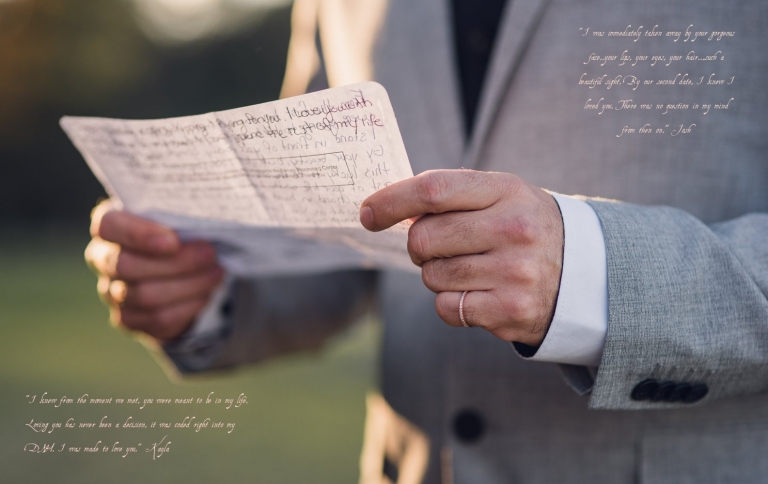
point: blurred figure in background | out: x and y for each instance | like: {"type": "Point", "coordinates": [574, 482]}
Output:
{"type": "Point", "coordinates": [639, 328]}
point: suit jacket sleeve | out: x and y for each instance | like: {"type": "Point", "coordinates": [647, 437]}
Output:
{"type": "Point", "coordinates": [688, 302]}
{"type": "Point", "coordinates": [267, 317]}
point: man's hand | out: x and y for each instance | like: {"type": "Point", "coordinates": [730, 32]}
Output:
{"type": "Point", "coordinates": [151, 281]}
{"type": "Point", "coordinates": [492, 234]}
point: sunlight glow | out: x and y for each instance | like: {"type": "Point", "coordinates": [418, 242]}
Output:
{"type": "Point", "coordinates": [179, 21]}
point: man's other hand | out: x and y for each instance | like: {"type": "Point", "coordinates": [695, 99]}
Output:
{"type": "Point", "coordinates": [492, 234]}
{"type": "Point", "coordinates": [149, 279]}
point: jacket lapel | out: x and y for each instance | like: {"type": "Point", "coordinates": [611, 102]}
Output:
{"type": "Point", "coordinates": [520, 21]}
{"type": "Point", "coordinates": [430, 34]}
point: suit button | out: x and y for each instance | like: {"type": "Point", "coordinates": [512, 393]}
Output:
{"type": "Point", "coordinates": [469, 426]}
{"type": "Point", "coordinates": [698, 391]}
{"type": "Point", "coordinates": [227, 308]}
{"type": "Point", "coordinates": [680, 392]}
{"type": "Point", "coordinates": [645, 389]}
{"type": "Point", "coordinates": [663, 391]}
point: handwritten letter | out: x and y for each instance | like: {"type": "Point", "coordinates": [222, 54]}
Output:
{"type": "Point", "coordinates": [303, 163]}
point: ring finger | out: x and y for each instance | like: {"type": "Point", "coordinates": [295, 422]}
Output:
{"type": "Point", "coordinates": [161, 292]}
{"type": "Point", "coordinates": [481, 309]}
{"type": "Point", "coordinates": [476, 272]}
{"type": "Point", "coordinates": [162, 323]}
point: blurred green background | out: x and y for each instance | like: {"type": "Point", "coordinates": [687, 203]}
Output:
{"type": "Point", "coordinates": [141, 59]}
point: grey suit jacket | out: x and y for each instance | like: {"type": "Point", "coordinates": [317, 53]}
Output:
{"type": "Point", "coordinates": [687, 249]}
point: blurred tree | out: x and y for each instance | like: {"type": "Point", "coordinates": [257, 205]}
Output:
{"type": "Point", "coordinates": [89, 57]}
{"type": "Point", "coordinates": [74, 53]}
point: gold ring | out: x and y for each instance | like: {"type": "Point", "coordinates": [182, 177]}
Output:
{"type": "Point", "coordinates": [461, 309]}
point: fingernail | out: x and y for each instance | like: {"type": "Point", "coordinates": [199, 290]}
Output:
{"type": "Point", "coordinates": [366, 217]}
{"type": "Point", "coordinates": [165, 242]}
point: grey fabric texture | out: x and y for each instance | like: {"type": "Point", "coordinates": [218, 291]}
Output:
{"type": "Point", "coordinates": [695, 295]}
{"type": "Point", "coordinates": [687, 251]}
{"type": "Point", "coordinates": [277, 315]}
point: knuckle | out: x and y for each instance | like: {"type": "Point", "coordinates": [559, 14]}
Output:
{"type": "Point", "coordinates": [90, 253]}
{"type": "Point", "coordinates": [418, 242]}
{"type": "Point", "coordinates": [520, 228]}
{"type": "Point", "coordinates": [525, 271]}
{"type": "Point", "coordinates": [429, 275]}
{"type": "Point", "coordinates": [117, 292]}
{"type": "Point", "coordinates": [433, 188]}
{"type": "Point", "coordinates": [102, 289]}
{"type": "Point", "coordinates": [442, 307]}
{"type": "Point", "coordinates": [100, 256]}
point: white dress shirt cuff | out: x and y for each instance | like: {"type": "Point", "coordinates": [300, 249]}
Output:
{"type": "Point", "coordinates": [211, 318]}
{"type": "Point", "coordinates": [577, 333]}
{"type": "Point", "coordinates": [200, 345]}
